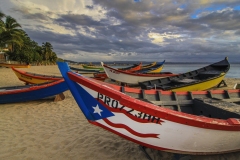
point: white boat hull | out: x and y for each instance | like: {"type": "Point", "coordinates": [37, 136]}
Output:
{"type": "Point", "coordinates": [169, 136]}
{"type": "Point", "coordinates": [130, 78]}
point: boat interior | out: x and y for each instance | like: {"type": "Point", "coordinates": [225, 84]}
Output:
{"type": "Point", "coordinates": [130, 67]}
{"type": "Point", "coordinates": [42, 75]}
{"type": "Point", "coordinates": [3, 89]}
{"type": "Point", "coordinates": [222, 105]}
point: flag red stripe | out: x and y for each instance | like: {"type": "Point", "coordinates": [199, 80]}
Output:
{"type": "Point", "coordinates": [129, 115]}
{"type": "Point", "coordinates": [151, 135]}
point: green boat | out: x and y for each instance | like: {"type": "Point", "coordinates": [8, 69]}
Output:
{"type": "Point", "coordinates": [92, 67]}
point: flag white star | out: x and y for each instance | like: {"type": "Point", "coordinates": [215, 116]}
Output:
{"type": "Point", "coordinates": [97, 110]}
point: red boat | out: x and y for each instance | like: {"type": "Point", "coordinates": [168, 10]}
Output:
{"type": "Point", "coordinates": [33, 78]}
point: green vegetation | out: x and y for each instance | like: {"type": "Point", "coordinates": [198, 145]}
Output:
{"type": "Point", "coordinates": [19, 45]}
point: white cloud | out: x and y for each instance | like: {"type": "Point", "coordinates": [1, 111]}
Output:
{"type": "Point", "coordinates": [158, 38]}
{"type": "Point", "coordinates": [52, 10]}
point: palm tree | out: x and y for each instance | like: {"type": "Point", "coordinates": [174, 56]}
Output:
{"type": "Point", "coordinates": [53, 58]}
{"type": "Point", "coordinates": [12, 35]}
{"type": "Point", "coordinates": [1, 21]}
{"type": "Point", "coordinates": [1, 29]}
{"type": "Point", "coordinates": [47, 50]}
{"type": "Point", "coordinates": [1, 15]}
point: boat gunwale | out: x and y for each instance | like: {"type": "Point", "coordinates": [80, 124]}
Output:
{"type": "Point", "coordinates": [31, 87]}
{"type": "Point", "coordinates": [37, 76]}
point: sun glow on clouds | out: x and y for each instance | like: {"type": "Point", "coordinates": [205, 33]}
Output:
{"type": "Point", "coordinates": [158, 38]}
{"type": "Point", "coordinates": [82, 56]}
{"type": "Point", "coordinates": [51, 10]}
{"type": "Point", "coordinates": [60, 6]}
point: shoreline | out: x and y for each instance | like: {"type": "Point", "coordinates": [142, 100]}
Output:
{"type": "Point", "coordinates": [44, 129]}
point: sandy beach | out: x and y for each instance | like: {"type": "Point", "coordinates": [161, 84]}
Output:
{"type": "Point", "coordinates": [43, 129]}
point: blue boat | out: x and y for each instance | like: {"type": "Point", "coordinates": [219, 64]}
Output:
{"type": "Point", "coordinates": [31, 92]}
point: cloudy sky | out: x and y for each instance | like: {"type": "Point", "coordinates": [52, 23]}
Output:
{"type": "Point", "coordinates": [141, 30]}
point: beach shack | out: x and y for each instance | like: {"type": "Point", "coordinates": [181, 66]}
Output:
{"type": "Point", "coordinates": [2, 57]}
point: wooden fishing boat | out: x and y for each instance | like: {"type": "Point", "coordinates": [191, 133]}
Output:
{"type": "Point", "coordinates": [102, 75]}
{"type": "Point", "coordinates": [33, 78]}
{"type": "Point", "coordinates": [201, 79]}
{"type": "Point", "coordinates": [85, 71]}
{"type": "Point", "coordinates": [132, 78]}
{"type": "Point", "coordinates": [157, 68]}
{"type": "Point", "coordinates": [149, 65]}
{"type": "Point", "coordinates": [133, 68]}
{"type": "Point", "coordinates": [31, 92]}
{"type": "Point", "coordinates": [92, 67]}
{"type": "Point", "coordinates": [14, 65]}
{"type": "Point", "coordinates": [197, 122]}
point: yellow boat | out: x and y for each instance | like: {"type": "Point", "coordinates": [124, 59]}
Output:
{"type": "Point", "coordinates": [200, 79]}
{"type": "Point", "coordinates": [32, 78]}
{"type": "Point", "coordinates": [14, 65]}
{"type": "Point", "coordinates": [156, 68]}
{"type": "Point", "coordinates": [204, 85]}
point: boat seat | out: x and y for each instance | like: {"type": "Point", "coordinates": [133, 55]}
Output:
{"type": "Point", "coordinates": [145, 100]}
{"type": "Point", "coordinates": [206, 74]}
{"type": "Point", "coordinates": [186, 80]}
{"type": "Point", "coordinates": [210, 73]}
{"type": "Point", "coordinates": [216, 108]}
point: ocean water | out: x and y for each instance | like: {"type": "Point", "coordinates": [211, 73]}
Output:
{"type": "Point", "coordinates": [234, 71]}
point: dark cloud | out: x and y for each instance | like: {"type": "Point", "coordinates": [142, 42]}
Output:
{"type": "Point", "coordinates": [225, 20]}
{"type": "Point", "coordinates": [89, 7]}
{"type": "Point", "coordinates": [36, 16]}
{"type": "Point", "coordinates": [77, 19]}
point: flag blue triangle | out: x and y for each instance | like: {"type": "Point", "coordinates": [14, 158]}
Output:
{"type": "Point", "coordinates": [97, 110]}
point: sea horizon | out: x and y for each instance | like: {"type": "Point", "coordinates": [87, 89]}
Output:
{"type": "Point", "coordinates": [143, 62]}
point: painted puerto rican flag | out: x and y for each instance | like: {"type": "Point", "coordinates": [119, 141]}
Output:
{"type": "Point", "coordinates": [105, 116]}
